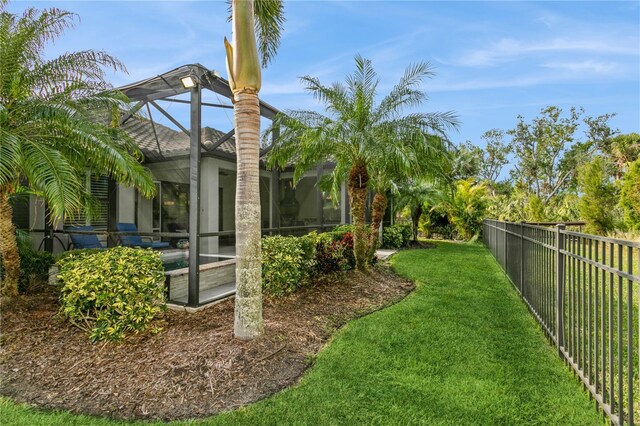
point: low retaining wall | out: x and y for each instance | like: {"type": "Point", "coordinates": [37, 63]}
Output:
{"type": "Point", "coordinates": [212, 275]}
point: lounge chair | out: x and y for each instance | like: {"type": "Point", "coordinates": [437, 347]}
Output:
{"type": "Point", "coordinates": [84, 241]}
{"type": "Point", "coordinates": [136, 240]}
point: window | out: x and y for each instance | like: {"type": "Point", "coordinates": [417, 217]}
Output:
{"type": "Point", "coordinates": [99, 188]}
{"type": "Point", "coordinates": [171, 207]}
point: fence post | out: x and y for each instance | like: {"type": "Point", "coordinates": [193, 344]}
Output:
{"type": "Point", "coordinates": [560, 258]}
{"type": "Point", "coordinates": [504, 246]}
{"type": "Point", "coordinates": [521, 256]}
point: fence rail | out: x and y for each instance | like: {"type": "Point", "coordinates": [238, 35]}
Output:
{"type": "Point", "coordinates": [584, 291]}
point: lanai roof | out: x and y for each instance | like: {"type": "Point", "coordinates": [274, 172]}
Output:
{"type": "Point", "coordinates": [163, 143]}
{"type": "Point", "coordinates": [158, 142]}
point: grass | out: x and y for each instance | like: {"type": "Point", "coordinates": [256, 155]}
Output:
{"type": "Point", "coordinates": [462, 349]}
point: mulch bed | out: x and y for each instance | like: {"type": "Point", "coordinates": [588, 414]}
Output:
{"type": "Point", "coordinates": [194, 367]}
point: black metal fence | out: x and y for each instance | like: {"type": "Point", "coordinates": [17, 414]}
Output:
{"type": "Point", "coordinates": [583, 290]}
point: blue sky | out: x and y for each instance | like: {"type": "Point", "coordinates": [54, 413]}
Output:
{"type": "Point", "coordinates": [494, 60]}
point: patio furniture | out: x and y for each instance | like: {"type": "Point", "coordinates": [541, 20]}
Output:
{"type": "Point", "coordinates": [137, 240]}
{"type": "Point", "coordinates": [175, 227]}
{"type": "Point", "coordinates": [84, 241]}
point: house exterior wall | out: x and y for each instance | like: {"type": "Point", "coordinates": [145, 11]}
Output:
{"type": "Point", "coordinates": [126, 204]}
{"type": "Point", "coordinates": [216, 174]}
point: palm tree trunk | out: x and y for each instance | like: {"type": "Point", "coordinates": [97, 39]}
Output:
{"type": "Point", "coordinates": [378, 207]}
{"type": "Point", "coordinates": [415, 219]}
{"type": "Point", "coordinates": [8, 248]}
{"type": "Point", "coordinates": [357, 188]}
{"type": "Point", "coordinates": [245, 79]}
{"type": "Point", "coordinates": [248, 310]}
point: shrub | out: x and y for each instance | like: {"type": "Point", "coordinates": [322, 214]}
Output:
{"type": "Point", "coordinates": [284, 266]}
{"type": "Point", "coordinates": [308, 246]}
{"type": "Point", "coordinates": [396, 236]}
{"type": "Point", "coordinates": [391, 237]}
{"type": "Point", "coordinates": [466, 209]}
{"type": "Point", "coordinates": [330, 253]}
{"type": "Point", "coordinates": [290, 262]}
{"type": "Point", "coordinates": [75, 255]}
{"type": "Point", "coordinates": [34, 265]}
{"type": "Point", "coordinates": [407, 234]}
{"type": "Point", "coordinates": [34, 269]}
{"type": "Point", "coordinates": [111, 292]}
{"type": "Point", "coordinates": [347, 243]}
{"type": "Point", "coordinates": [343, 229]}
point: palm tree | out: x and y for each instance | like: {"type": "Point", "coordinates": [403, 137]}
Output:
{"type": "Point", "coordinates": [417, 196]}
{"type": "Point", "coordinates": [243, 65]}
{"type": "Point", "coordinates": [403, 159]}
{"type": "Point", "coordinates": [356, 134]}
{"type": "Point", "coordinates": [54, 125]}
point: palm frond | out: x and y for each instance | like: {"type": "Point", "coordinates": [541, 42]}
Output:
{"type": "Point", "coordinates": [406, 93]}
{"type": "Point", "coordinates": [334, 97]}
{"type": "Point", "coordinates": [393, 146]}
{"type": "Point", "coordinates": [269, 23]}
{"type": "Point", "coordinates": [50, 174]}
{"type": "Point", "coordinates": [54, 115]}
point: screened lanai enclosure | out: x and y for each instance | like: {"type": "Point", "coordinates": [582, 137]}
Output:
{"type": "Point", "coordinates": [182, 121]}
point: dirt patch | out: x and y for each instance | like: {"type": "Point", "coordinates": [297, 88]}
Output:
{"type": "Point", "coordinates": [194, 368]}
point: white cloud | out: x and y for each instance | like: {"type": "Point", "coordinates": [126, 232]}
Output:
{"type": "Point", "coordinates": [490, 83]}
{"type": "Point", "coordinates": [588, 66]}
{"type": "Point", "coordinates": [508, 49]}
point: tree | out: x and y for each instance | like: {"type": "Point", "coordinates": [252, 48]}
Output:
{"type": "Point", "coordinates": [622, 151]}
{"type": "Point", "coordinates": [358, 133]}
{"type": "Point", "coordinates": [548, 151]}
{"type": "Point", "coordinates": [248, 17]}
{"type": "Point", "coordinates": [467, 162]}
{"type": "Point", "coordinates": [402, 159]}
{"type": "Point", "coordinates": [630, 196]}
{"type": "Point", "coordinates": [417, 196]}
{"type": "Point", "coordinates": [52, 125]}
{"type": "Point", "coordinates": [494, 158]}
{"type": "Point", "coordinates": [598, 196]}
{"type": "Point", "coordinates": [466, 207]}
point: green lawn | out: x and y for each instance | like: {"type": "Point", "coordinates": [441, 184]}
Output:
{"type": "Point", "coordinates": [462, 349]}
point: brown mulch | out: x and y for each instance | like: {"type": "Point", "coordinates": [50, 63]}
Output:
{"type": "Point", "coordinates": [194, 367]}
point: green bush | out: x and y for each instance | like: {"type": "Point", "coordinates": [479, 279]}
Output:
{"type": "Point", "coordinates": [334, 252]}
{"type": "Point", "coordinates": [286, 262]}
{"type": "Point", "coordinates": [407, 235]}
{"type": "Point", "coordinates": [396, 236]}
{"type": "Point", "coordinates": [466, 209]}
{"type": "Point", "coordinates": [308, 245]}
{"type": "Point", "coordinates": [290, 262]}
{"type": "Point", "coordinates": [34, 270]}
{"type": "Point", "coordinates": [109, 293]}
{"type": "Point", "coordinates": [342, 229]}
{"type": "Point", "coordinates": [34, 265]}
{"type": "Point", "coordinates": [75, 255]}
{"type": "Point", "coordinates": [392, 237]}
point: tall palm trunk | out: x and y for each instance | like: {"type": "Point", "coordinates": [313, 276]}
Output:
{"type": "Point", "coordinates": [415, 220]}
{"type": "Point", "coordinates": [8, 248]}
{"type": "Point", "coordinates": [248, 312]}
{"type": "Point", "coordinates": [245, 80]}
{"type": "Point", "coordinates": [378, 207]}
{"type": "Point", "coordinates": [357, 188]}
